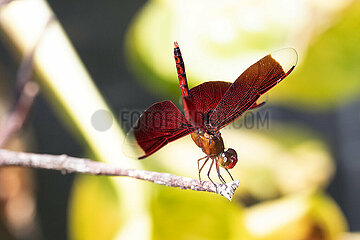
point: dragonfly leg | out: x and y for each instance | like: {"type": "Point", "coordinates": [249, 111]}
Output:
{"type": "Point", "coordinates": [229, 174]}
{"type": "Point", "coordinates": [218, 172]}
{"type": "Point", "coordinates": [209, 173]}
{"type": "Point", "coordinates": [199, 169]}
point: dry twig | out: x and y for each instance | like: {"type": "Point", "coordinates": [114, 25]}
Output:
{"type": "Point", "coordinates": [67, 164]}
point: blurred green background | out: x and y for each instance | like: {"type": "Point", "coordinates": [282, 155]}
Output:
{"type": "Point", "coordinates": [299, 172]}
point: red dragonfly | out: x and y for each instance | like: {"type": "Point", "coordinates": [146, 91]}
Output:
{"type": "Point", "coordinates": [209, 107]}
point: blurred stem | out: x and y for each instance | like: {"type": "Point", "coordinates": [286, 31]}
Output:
{"type": "Point", "coordinates": [25, 94]}
{"type": "Point", "coordinates": [3, 2]}
{"type": "Point", "coordinates": [69, 86]}
{"type": "Point", "coordinates": [15, 119]}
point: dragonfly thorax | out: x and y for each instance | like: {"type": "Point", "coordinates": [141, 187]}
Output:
{"type": "Point", "coordinates": [211, 144]}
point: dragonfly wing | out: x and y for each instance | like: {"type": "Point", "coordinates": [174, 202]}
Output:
{"type": "Point", "coordinates": [256, 105]}
{"type": "Point", "coordinates": [159, 125]}
{"type": "Point", "coordinates": [192, 114]}
{"type": "Point", "coordinates": [251, 84]}
{"type": "Point", "coordinates": [206, 96]}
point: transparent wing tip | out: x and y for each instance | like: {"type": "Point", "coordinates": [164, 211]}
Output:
{"type": "Point", "coordinates": [286, 57]}
{"type": "Point", "coordinates": [130, 147]}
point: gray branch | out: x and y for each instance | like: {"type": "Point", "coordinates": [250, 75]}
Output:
{"type": "Point", "coordinates": [67, 164]}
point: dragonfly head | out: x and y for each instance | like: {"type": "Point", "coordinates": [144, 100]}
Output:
{"type": "Point", "coordinates": [228, 159]}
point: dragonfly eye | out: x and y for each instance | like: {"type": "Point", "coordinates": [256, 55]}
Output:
{"type": "Point", "coordinates": [228, 159]}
